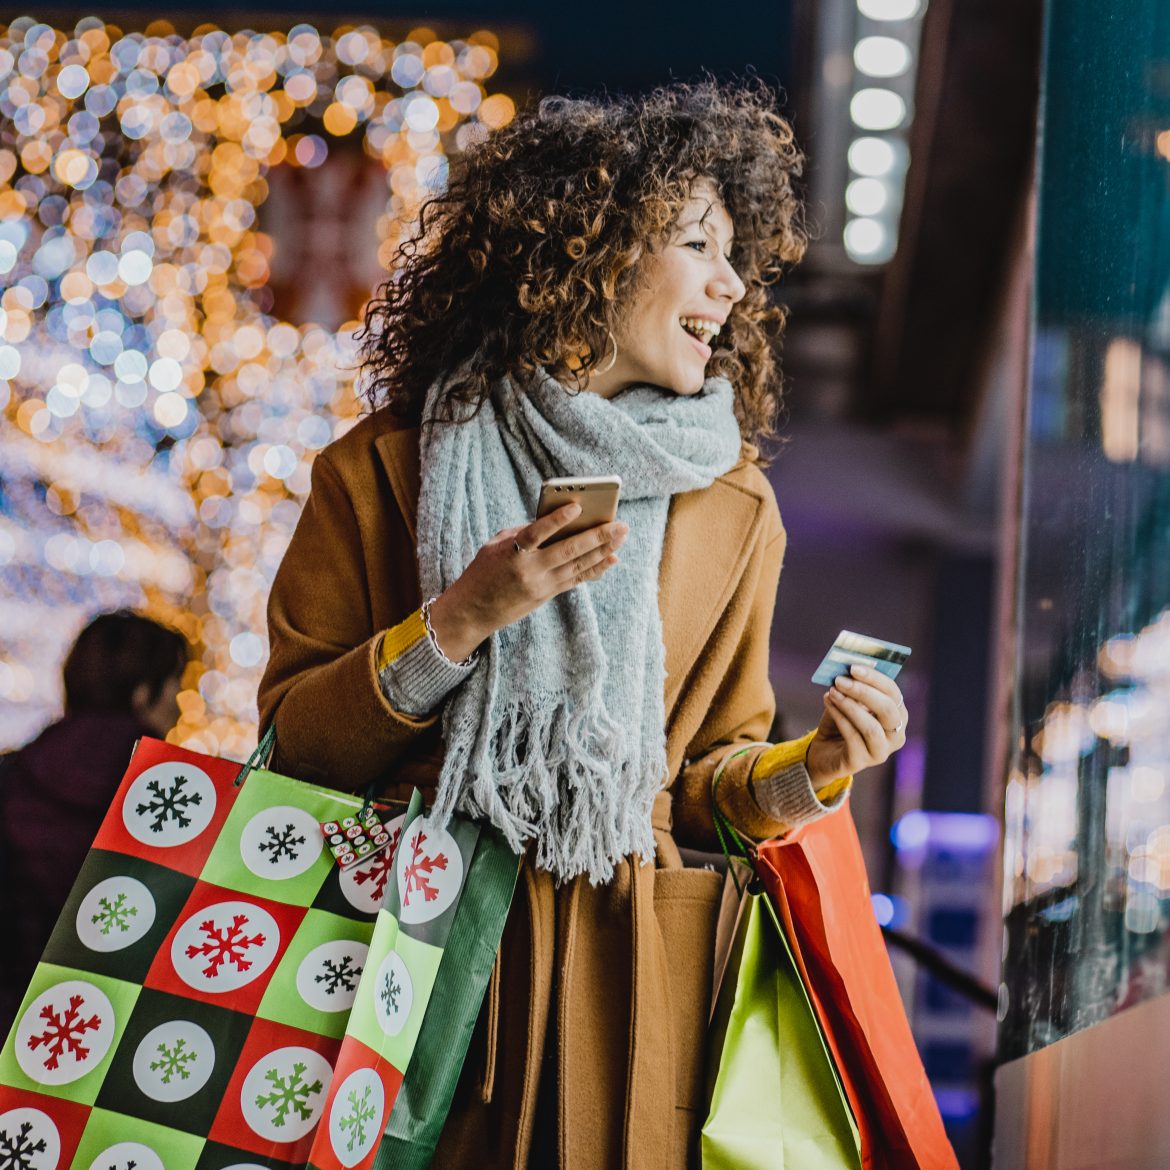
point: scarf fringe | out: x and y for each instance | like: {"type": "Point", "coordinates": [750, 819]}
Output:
{"type": "Point", "coordinates": [555, 772]}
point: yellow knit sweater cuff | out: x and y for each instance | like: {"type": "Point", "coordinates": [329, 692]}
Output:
{"type": "Point", "coordinates": [794, 751]}
{"type": "Point", "coordinates": [399, 639]}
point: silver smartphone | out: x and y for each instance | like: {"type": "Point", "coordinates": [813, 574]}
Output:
{"type": "Point", "coordinates": [597, 495]}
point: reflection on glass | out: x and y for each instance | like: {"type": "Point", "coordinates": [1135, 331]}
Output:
{"type": "Point", "coordinates": [1087, 845]}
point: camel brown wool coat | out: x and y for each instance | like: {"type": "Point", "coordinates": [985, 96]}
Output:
{"type": "Point", "coordinates": [632, 960]}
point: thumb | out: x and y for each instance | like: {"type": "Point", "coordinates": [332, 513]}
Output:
{"type": "Point", "coordinates": [827, 728]}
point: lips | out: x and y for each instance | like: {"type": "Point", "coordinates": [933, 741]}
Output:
{"type": "Point", "coordinates": [700, 346]}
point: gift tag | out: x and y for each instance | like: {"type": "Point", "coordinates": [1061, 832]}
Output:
{"type": "Point", "coordinates": [353, 839]}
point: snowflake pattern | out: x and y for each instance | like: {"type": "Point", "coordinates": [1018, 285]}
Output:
{"type": "Point", "coordinates": [378, 868]}
{"type": "Point", "coordinates": [64, 1032]}
{"type": "Point", "coordinates": [360, 1111]}
{"type": "Point", "coordinates": [335, 975]}
{"type": "Point", "coordinates": [419, 870]}
{"type": "Point", "coordinates": [288, 1093]}
{"type": "Point", "coordinates": [389, 992]}
{"type": "Point", "coordinates": [225, 944]}
{"type": "Point", "coordinates": [173, 1061]}
{"type": "Point", "coordinates": [16, 1150]}
{"type": "Point", "coordinates": [170, 804]}
{"type": "Point", "coordinates": [113, 914]}
{"type": "Point", "coordinates": [281, 843]}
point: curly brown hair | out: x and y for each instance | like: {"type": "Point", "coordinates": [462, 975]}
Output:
{"type": "Point", "coordinates": [529, 255]}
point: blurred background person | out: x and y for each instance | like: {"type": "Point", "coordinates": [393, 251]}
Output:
{"type": "Point", "coordinates": [121, 680]}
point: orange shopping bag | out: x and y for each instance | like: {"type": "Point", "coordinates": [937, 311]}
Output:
{"type": "Point", "coordinates": [817, 881]}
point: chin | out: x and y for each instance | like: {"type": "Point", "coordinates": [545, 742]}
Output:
{"type": "Point", "coordinates": [689, 385]}
{"type": "Point", "coordinates": [683, 382]}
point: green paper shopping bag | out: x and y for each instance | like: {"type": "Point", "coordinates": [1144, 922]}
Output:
{"type": "Point", "coordinates": [775, 1100]}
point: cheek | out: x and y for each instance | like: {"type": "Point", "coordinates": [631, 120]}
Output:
{"type": "Point", "coordinates": [657, 308]}
{"type": "Point", "coordinates": [638, 331]}
{"type": "Point", "coordinates": [674, 280]}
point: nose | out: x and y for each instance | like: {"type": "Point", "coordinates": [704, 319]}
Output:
{"type": "Point", "coordinates": [725, 283]}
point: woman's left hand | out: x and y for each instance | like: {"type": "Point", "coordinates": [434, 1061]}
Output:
{"type": "Point", "coordinates": [864, 724]}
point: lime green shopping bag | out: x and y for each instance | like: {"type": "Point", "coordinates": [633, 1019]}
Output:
{"type": "Point", "coordinates": [776, 1102]}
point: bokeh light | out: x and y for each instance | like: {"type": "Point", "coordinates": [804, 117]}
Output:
{"type": "Point", "coordinates": [874, 108]}
{"type": "Point", "coordinates": [889, 9]}
{"type": "Point", "coordinates": [881, 56]}
{"type": "Point", "coordinates": [160, 417]}
{"type": "Point", "coordinates": [872, 157]}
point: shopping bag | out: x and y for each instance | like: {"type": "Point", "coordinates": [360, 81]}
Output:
{"type": "Point", "coordinates": [193, 1004]}
{"type": "Point", "coordinates": [816, 879]}
{"type": "Point", "coordinates": [775, 1100]}
{"type": "Point", "coordinates": [417, 1002]}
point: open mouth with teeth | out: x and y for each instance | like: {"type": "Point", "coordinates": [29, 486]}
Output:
{"type": "Point", "coordinates": [701, 328]}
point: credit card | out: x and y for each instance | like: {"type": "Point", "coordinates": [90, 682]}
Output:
{"type": "Point", "coordinates": [859, 649]}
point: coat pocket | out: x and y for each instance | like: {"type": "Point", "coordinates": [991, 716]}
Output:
{"type": "Point", "coordinates": [686, 904]}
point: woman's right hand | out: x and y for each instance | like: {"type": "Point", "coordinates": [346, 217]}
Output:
{"type": "Point", "coordinates": [501, 585]}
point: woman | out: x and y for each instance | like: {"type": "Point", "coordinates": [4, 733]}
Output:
{"type": "Point", "coordinates": [589, 296]}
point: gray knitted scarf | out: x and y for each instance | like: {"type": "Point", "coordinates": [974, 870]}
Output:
{"type": "Point", "coordinates": [558, 736]}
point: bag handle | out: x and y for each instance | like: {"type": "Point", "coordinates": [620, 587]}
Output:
{"type": "Point", "coordinates": [260, 758]}
{"type": "Point", "coordinates": [723, 827]}
{"type": "Point", "coordinates": [265, 746]}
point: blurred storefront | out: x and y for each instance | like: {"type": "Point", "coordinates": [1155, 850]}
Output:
{"type": "Point", "coordinates": [1083, 1008]}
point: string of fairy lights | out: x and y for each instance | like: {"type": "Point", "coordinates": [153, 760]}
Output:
{"type": "Point", "coordinates": [159, 418]}
{"type": "Point", "coordinates": [881, 110]}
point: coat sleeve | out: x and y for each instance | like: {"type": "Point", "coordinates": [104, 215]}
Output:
{"type": "Point", "coordinates": [333, 723]}
{"type": "Point", "coordinates": [742, 710]}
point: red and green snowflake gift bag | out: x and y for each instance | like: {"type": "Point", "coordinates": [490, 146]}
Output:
{"type": "Point", "coordinates": [426, 973]}
{"type": "Point", "coordinates": [219, 993]}
{"type": "Point", "coordinates": [190, 1006]}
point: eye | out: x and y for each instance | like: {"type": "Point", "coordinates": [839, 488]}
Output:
{"type": "Point", "coordinates": [700, 245]}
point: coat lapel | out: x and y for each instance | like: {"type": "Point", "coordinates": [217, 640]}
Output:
{"type": "Point", "coordinates": [400, 456]}
{"type": "Point", "coordinates": [709, 536]}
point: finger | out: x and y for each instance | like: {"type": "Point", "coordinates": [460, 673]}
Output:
{"type": "Point", "coordinates": [856, 752]}
{"type": "Point", "coordinates": [598, 570]}
{"type": "Point", "coordinates": [878, 681]}
{"type": "Point", "coordinates": [887, 712]}
{"type": "Point", "coordinates": [872, 733]}
{"type": "Point", "coordinates": [572, 548]}
{"type": "Point", "coordinates": [585, 563]}
{"type": "Point", "coordinates": [533, 535]}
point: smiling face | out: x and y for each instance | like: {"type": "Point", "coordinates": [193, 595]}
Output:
{"type": "Point", "coordinates": [686, 290]}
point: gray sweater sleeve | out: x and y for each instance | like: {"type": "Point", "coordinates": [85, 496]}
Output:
{"type": "Point", "coordinates": [420, 678]}
{"type": "Point", "coordinates": [788, 795]}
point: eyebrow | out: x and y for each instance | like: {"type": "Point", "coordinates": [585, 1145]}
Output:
{"type": "Point", "coordinates": [683, 225]}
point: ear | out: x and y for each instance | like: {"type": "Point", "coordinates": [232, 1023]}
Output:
{"type": "Point", "coordinates": [140, 699]}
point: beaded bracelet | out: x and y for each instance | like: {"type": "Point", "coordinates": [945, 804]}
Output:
{"type": "Point", "coordinates": [470, 660]}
